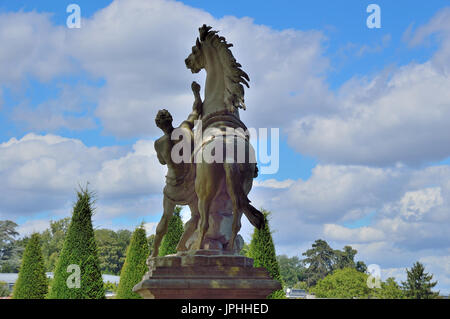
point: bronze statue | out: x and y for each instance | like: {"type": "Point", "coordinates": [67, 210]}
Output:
{"type": "Point", "coordinates": [216, 191]}
{"type": "Point", "coordinates": [224, 95]}
{"type": "Point", "coordinates": [214, 180]}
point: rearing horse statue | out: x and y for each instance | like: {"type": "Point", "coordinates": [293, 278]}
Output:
{"type": "Point", "coordinates": [224, 95]}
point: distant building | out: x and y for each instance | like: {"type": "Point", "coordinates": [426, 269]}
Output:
{"type": "Point", "coordinates": [298, 294]}
{"type": "Point", "coordinates": [11, 278]}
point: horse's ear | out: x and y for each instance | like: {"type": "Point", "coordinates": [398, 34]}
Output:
{"type": "Point", "coordinates": [198, 44]}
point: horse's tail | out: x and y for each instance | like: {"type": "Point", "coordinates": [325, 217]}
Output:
{"type": "Point", "coordinates": [234, 180]}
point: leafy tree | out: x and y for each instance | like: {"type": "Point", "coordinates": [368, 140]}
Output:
{"type": "Point", "coordinates": [123, 239]}
{"type": "Point", "coordinates": [174, 232]}
{"type": "Point", "coordinates": [320, 260]}
{"type": "Point", "coordinates": [7, 232]}
{"type": "Point", "coordinates": [343, 283]}
{"type": "Point", "coordinates": [32, 282]}
{"type": "Point", "coordinates": [301, 285]}
{"type": "Point", "coordinates": [10, 250]}
{"type": "Point", "coordinates": [262, 250]}
{"type": "Point", "coordinates": [79, 249]}
{"type": "Point", "coordinates": [291, 270]}
{"type": "Point", "coordinates": [389, 290]}
{"type": "Point", "coordinates": [52, 242]}
{"type": "Point", "coordinates": [151, 242]}
{"type": "Point", "coordinates": [135, 266]}
{"type": "Point", "coordinates": [361, 266]}
{"type": "Point", "coordinates": [111, 249]}
{"type": "Point", "coordinates": [418, 284]}
{"type": "Point", "coordinates": [345, 258]}
{"type": "Point", "coordinates": [4, 290]}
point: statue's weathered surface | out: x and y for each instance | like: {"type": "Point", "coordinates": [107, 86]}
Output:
{"type": "Point", "coordinates": [214, 177]}
{"type": "Point", "coordinates": [180, 178]}
{"type": "Point", "coordinates": [218, 196]}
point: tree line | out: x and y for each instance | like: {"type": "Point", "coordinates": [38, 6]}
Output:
{"type": "Point", "coordinates": [326, 272]}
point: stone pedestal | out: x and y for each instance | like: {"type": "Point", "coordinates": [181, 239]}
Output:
{"type": "Point", "coordinates": [205, 274]}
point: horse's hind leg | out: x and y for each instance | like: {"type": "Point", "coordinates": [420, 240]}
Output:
{"type": "Point", "coordinates": [234, 191]}
{"type": "Point", "coordinates": [206, 187]}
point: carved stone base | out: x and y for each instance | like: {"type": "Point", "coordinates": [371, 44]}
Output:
{"type": "Point", "coordinates": [205, 274]}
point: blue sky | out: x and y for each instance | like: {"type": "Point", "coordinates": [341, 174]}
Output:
{"type": "Point", "coordinates": [363, 146]}
{"type": "Point", "coordinates": [342, 25]}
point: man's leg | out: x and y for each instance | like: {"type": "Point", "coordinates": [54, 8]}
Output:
{"type": "Point", "coordinates": [161, 229]}
{"type": "Point", "coordinates": [190, 226]}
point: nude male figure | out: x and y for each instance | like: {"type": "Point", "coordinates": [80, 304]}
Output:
{"type": "Point", "coordinates": [180, 178]}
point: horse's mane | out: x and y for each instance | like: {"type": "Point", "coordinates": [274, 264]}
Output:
{"type": "Point", "coordinates": [233, 74]}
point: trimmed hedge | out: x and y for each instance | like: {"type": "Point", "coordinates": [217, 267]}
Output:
{"type": "Point", "coordinates": [32, 282]}
{"type": "Point", "coordinates": [135, 266]}
{"type": "Point", "coordinates": [79, 249]}
{"type": "Point", "coordinates": [262, 251]}
{"type": "Point", "coordinates": [172, 237]}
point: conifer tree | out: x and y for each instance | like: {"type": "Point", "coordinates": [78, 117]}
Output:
{"type": "Point", "coordinates": [135, 266]}
{"type": "Point", "coordinates": [32, 282]}
{"type": "Point", "coordinates": [418, 283]}
{"type": "Point", "coordinates": [262, 251]}
{"type": "Point", "coordinates": [173, 235]}
{"type": "Point", "coordinates": [79, 252]}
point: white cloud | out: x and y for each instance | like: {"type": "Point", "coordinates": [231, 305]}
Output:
{"type": "Point", "coordinates": [32, 226]}
{"type": "Point", "coordinates": [31, 46]}
{"type": "Point", "coordinates": [344, 234]}
{"type": "Point", "coordinates": [439, 266]}
{"type": "Point", "coordinates": [415, 204]}
{"type": "Point", "coordinates": [72, 110]}
{"type": "Point", "coordinates": [438, 26]}
{"type": "Point", "coordinates": [41, 173]}
{"type": "Point", "coordinates": [150, 228]}
{"type": "Point", "coordinates": [410, 209]}
{"type": "Point", "coordinates": [398, 116]}
{"type": "Point", "coordinates": [273, 183]}
{"type": "Point", "coordinates": [339, 193]}
{"type": "Point", "coordinates": [139, 48]}
{"type": "Point", "coordinates": [136, 174]}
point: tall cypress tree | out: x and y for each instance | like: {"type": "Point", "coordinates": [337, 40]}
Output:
{"type": "Point", "coordinates": [79, 252]}
{"type": "Point", "coordinates": [173, 235]}
{"type": "Point", "coordinates": [135, 266]}
{"type": "Point", "coordinates": [32, 282]}
{"type": "Point", "coordinates": [418, 283]}
{"type": "Point", "coordinates": [262, 250]}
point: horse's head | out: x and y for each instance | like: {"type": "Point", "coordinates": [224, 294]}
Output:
{"type": "Point", "coordinates": [196, 60]}
{"type": "Point", "coordinates": [211, 52]}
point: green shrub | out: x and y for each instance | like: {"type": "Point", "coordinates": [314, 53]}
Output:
{"type": "Point", "coordinates": [135, 266]}
{"type": "Point", "coordinates": [32, 282]}
{"type": "Point", "coordinates": [262, 250]}
{"type": "Point", "coordinates": [172, 237]}
{"type": "Point", "coordinates": [344, 283]}
{"type": "Point", "coordinates": [4, 290]}
{"type": "Point", "coordinates": [79, 249]}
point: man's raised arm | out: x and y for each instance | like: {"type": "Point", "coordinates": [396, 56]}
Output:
{"type": "Point", "coordinates": [196, 107]}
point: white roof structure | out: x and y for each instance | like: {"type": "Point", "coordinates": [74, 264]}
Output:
{"type": "Point", "coordinates": [11, 278]}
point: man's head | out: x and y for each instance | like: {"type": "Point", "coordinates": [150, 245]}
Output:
{"type": "Point", "coordinates": [164, 121]}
